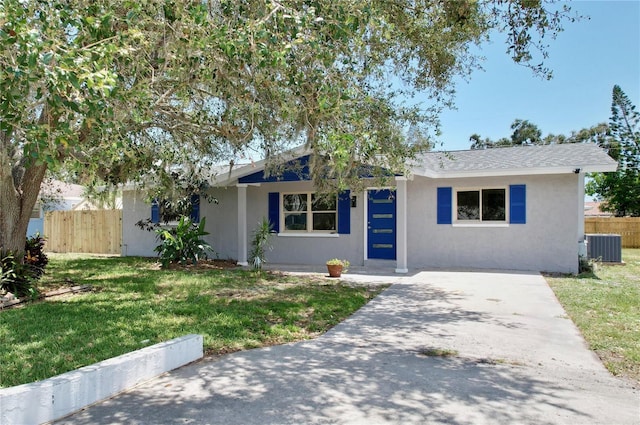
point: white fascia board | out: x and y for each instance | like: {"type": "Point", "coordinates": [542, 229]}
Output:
{"type": "Point", "coordinates": [600, 168]}
{"type": "Point", "coordinates": [515, 172]}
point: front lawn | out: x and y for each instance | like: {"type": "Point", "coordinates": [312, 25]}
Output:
{"type": "Point", "coordinates": [133, 304]}
{"type": "Point", "coordinates": [605, 306]}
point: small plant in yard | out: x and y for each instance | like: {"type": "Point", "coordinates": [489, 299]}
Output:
{"type": "Point", "coordinates": [338, 262]}
{"type": "Point", "coordinates": [183, 243]}
{"type": "Point", "coordinates": [16, 277]}
{"type": "Point", "coordinates": [336, 266]}
{"type": "Point", "coordinates": [7, 273]}
{"type": "Point", "coordinates": [260, 243]}
{"type": "Point", "coordinates": [34, 255]}
{"type": "Point", "coordinates": [20, 278]}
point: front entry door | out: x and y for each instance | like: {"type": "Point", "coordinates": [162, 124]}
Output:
{"type": "Point", "coordinates": [381, 224]}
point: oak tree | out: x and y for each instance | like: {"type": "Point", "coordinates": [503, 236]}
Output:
{"type": "Point", "coordinates": [159, 91]}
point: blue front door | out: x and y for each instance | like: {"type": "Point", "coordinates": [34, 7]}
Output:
{"type": "Point", "coordinates": [381, 224]}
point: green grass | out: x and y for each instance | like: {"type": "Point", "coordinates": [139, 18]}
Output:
{"type": "Point", "coordinates": [605, 306]}
{"type": "Point", "coordinates": [134, 304]}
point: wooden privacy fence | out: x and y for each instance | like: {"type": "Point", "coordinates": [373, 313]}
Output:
{"type": "Point", "coordinates": [627, 227]}
{"type": "Point", "coordinates": [87, 231]}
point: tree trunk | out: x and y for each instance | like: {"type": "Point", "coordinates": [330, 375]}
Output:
{"type": "Point", "coordinates": [18, 196]}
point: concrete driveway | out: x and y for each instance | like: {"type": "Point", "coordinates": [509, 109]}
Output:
{"type": "Point", "coordinates": [516, 358]}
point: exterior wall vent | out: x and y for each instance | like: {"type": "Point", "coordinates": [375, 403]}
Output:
{"type": "Point", "coordinates": [605, 248]}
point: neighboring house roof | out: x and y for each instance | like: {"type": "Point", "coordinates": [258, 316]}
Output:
{"type": "Point", "coordinates": [56, 195]}
{"type": "Point", "coordinates": [65, 190]}
{"type": "Point", "coordinates": [520, 160]}
{"type": "Point", "coordinates": [592, 209]}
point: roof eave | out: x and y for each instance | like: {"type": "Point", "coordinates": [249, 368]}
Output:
{"type": "Point", "coordinates": [443, 174]}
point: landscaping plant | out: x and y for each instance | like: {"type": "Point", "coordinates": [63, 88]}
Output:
{"type": "Point", "coordinates": [34, 255]}
{"type": "Point", "coordinates": [183, 243]}
{"type": "Point", "coordinates": [260, 243]}
{"type": "Point", "coordinates": [20, 277]}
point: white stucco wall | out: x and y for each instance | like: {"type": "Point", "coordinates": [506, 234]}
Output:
{"type": "Point", "coordinates": [547, 242]}
{"type": "Point", "coordinates": [221, 223]}
{"type": "Point", "coordinates": [136, 241]}
{"type": "Point", "coordinates": [305, 249]}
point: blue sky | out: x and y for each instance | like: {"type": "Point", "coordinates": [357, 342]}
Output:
{"type": "Point", "coordinates": [587, 59]}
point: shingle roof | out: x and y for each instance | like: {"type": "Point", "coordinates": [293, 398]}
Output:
{"type": "Point", "coordinates": [546, 159]}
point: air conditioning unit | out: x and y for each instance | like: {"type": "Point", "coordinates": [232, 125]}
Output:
{"type": "Point", "coordinates": [605, 248]}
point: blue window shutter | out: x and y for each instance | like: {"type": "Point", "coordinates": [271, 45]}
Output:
{"type": "Point", "coordinates": [444, 205]}
{"type": "Point", "coordinates": [344, 212]}
{"type": "Point", "coordinates": [195, 209]}
{"type": "Point", "coordinates": [274, 210]}
{"type": "Point", "coordinates": [155, 211]}
{"type": "Point", "coordinates": [517, 204]}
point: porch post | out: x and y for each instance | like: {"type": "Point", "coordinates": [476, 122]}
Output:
{"type": "Point", "coordinates": [401, 225]}
{"type": "Point", "coordinates": [242, 224]}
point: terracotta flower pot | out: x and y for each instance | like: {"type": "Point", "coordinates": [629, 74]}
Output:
{"type": "Point", "coordinates": [335, 270]}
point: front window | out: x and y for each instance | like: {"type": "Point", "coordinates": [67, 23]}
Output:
{"type": "Point", "coordinates": [307, 212]}
{"type": "Point", "coordinates": [487, 205]}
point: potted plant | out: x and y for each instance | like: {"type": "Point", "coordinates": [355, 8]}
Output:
{"type": "Point", "coordinates": [336, 266]}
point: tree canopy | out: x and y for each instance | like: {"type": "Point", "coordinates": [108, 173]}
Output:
{"type": "Point", "coordinates": [621, 190]}
{"type": "Point", "coordinates": [160, 90]}
{"type": "Point", "coordinates": [528, 133]}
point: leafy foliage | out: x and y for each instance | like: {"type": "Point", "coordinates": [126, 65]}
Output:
{"type": "Point", "coordinates": [34, 256]}
{"type": "Point", "coordinates": [621, 190]}
{"type": "Point", "coordinates": [528, 133]}
{"type": "Point", "coordinates": [183, 243]}
{"type": "Point", "coordinates": [122, 90]}
{"type": "Point", "coordinates": [260, 243]}
{"type": "Point", "coordinates": [20, 277]}
{"type": "Point", "coordinates": [339, 262]}
{"type": "Point", "coordinates": [16, 277]}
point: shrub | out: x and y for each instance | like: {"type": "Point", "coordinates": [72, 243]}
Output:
{"type": "Point", "coordinates": [20, 278]}
{"type": "Point", "coordinates": [183, 243]}
{"type": "Point", "coordinates": [34, 255]}
{"type": "Point", "coordinates": [260, 243]}
{"type": "Point", "coordinates": [16, 277]}
{"type": "Point", "coordinates": [7, 272]}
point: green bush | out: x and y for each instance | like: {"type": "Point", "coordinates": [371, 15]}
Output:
{"type": "Point", "coordinates": [183, 243]}
{"type": "Point", "coordinates": [34, 255]}
{"type": "Point", "coordinates": [16, 277]}
{"type": "Point", "coordinates": [260, 243]}
{"type": "Point", "coordinates": [20, 278]}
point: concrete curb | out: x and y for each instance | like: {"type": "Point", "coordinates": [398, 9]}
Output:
{"type": "Point", "coordinates": [56, 397]}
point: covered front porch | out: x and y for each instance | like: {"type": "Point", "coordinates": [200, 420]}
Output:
{"type": "Point", "coordinates": [355, 235]}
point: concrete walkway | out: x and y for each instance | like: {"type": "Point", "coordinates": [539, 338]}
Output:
{"type": "Point", "coordinates": [517, 359]}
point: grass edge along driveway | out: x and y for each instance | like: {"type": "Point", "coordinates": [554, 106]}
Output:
{"type": "Point", "coordinates": [135, 304]}
{"type": "Point", "coordinates": [605, 306]}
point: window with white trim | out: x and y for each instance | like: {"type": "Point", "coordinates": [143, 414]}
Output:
{"type": "Point", "coordinates": [306, 212]}
{"type": "Point", "coordinates": [481, 205]}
